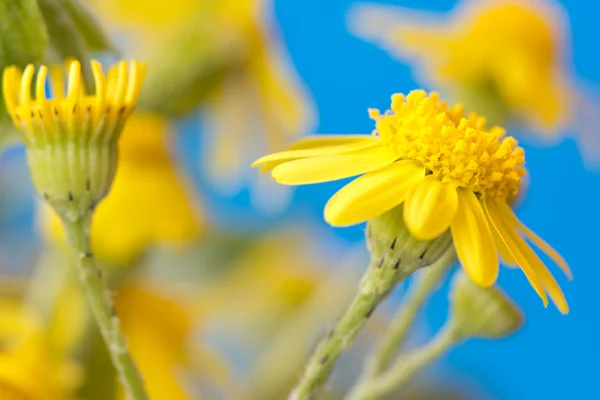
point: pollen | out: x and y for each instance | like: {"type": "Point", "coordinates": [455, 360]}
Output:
{"type": "Point", "coordinates": [453, 148]}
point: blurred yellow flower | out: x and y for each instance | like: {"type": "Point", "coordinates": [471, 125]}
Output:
{"type": "Point", "coordinates": [272, 278]}
{"type": "Point", "coordinates": [448, 171]}
{"type": "Point", "coordinates": [261, 102]}
{"type": "Point", "coordinates": [158, 330]}
{"type": "Point", "coordinates": [505, 59]}
{"type": "Point", "coordinates": [30, 369]}
{"type": "Point", "coordinates": [149, 203]}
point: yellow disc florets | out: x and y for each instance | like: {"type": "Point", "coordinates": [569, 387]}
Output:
{"type": "Point", "coordinates": [453, 148]}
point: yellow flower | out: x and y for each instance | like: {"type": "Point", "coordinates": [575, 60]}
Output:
{"type": "Point", "coordinates": [29, 368]}
{"type": "Point", "coordinates": [71, 138]}
{"type": "Point", "coordinates": [158, 338]}
{"type": "Point", "coordinates": [448, 171]}
{"type": "Point", "coordinates": [510, 53]}
{"type": "Point", "coordinates": [271, 279]}
{"type": "Point", "coordinates": [264, 92]}
{"type": "Point", "coordinates": [149, 203]}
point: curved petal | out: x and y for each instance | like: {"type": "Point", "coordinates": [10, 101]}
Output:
{"type": "Point", "coordinates": [541, 244]}
{"type": "Point", "coordinates": [313, 141]}
{"type": "Point", "coordinates": [430, 208]}
{"type": "Point", "coordinates": [318, 151]}
{"type": "Point", "coordinates": [374, 193]}
{"type": "Point", "coordinates": [504, 231]}
{"type": "Point", "coordinates": [507, 259]}
{"type": "Point", "coordinates": [473, 240]}
{"type": "Point", "coordinates": [533, 260]}
{"type": "Point", "coordinates": [331, 168]}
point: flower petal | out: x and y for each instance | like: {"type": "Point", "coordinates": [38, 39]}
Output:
{"type": "Point", "coordinates": [507, 259]}
{"type": "Point", "coordinates": [545, 247]}
{"type": "Point", "coordinates": [473, 240]}
{"type": "Point", "coordinates": [318, 151]}
{"type": "Point", "coordinates": [331, 168]}
{"type": "Point", "coordinates": [430, 208]}
{"type": "Point", "coordinates": [313, 141]}
{"type": "Point", "coordinates": [556, 294]}
{"type": "Point", "coordinates": [508, 237]}
{"type": "Point", "coordinates": [374, 193]}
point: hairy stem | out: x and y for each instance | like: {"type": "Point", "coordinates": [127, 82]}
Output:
{"type": "Point", "coordinates": [423, 284]}
{"type": "Point", "coordinates": [379, 279]}
{"type": "Point", "coordinates": [101, 304]}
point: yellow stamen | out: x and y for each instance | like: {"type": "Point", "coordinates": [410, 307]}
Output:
{"type": "Point", "coordinates": [453, 148]}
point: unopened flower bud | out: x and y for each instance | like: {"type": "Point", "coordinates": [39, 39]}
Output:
{"type": "Point", "coordinates": [71, 139]}
{"type": "Point", "coordinates": [482, 312]}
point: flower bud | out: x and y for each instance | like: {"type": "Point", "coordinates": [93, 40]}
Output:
{"type": "Point", "coordinates": [71, 139]}
{"type": "Point", "coordinates": [482, 312]}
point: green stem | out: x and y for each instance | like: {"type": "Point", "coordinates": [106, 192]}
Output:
{"type": "Point", "coordinates": [424, 283]}
{"type": "Point", "coordinates": [379, 279]}
{"type": "Point", "coordinates": [91, 277]}
{"type": "Point", "coordinates": [405, 367]}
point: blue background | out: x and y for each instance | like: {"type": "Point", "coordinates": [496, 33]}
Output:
{"type": "Point", "coordinates": [553, 356]}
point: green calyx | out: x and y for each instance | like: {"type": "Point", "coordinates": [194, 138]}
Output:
{"type": "Point", "coordinates": [389, 240]}
{"type": "Point", "coordinates": [73, 177]}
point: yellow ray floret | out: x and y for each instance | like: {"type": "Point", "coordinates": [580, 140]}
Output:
{"type": "Point", "coordinates": [448, 171]}
{"type": "Point", "coordinates": [71, 110]}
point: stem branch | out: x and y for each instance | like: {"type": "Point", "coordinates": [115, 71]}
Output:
{"type": "Point", "coordinates": [377, 282]}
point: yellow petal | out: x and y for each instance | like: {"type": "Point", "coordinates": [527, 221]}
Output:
{"type": "Point", "coordinates": [318, 151]}
{"type": "Point", "coordinates": [430, 208]}
{"type": "Point", "coordinates": [310, 142]}
{"type": "Point", "coordinates": [538, 266]}
{"type": "Point", "coordinates": [473, 240]}
{"type": "Point", "coordinates": [508, 237]}
{"type": "Point", "coordinates": [331, 168]}
{"type": "Point", "coordinates": [507, 259]}
{"type": "Point", "coordinates": [373, 194]}
{"type": "Point", "coordinates": [545, 247]}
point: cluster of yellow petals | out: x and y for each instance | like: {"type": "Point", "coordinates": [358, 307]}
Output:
{"type": "Point", "coordinates": [96, 113]}
{"type": "Point", "coordinates": [453, 148]}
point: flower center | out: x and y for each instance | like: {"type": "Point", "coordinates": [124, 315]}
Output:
{"type": "Point", "coordinates": [453, 148]}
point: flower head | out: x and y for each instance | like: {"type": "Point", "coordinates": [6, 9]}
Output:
{"type": "Point", "coordinates": [448, 171]}
{"type": "Point", "coordinates": [149, 204]}
{"type": "Point", "coordinates": [71, 138]}
{"type": "Point", "coordinates": [505, 58]}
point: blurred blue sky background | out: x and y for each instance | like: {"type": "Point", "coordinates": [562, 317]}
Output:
{"type": "Point", "coordinates": [554, 356]}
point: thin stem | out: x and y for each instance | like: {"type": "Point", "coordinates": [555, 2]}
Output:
{"type": "Point", "coordinates": [91, 277]}
{"type": "Point", "coordinates": [424, 283]}
{"type": "Point", "coordinates": [379, 279]}
{"type": "Point", "coordinates": [405, 367]}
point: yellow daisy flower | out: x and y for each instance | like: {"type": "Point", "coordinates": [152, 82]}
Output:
{"type": "Point", "coordinates": [502, 58]}
{"type": "Point", "coordinates": [150, 203]}
{"type": "Point", "coordinates": [447, 170]}
{"type": "Point", "coordinates": [158, 339]}
{"type": "Point", "coordinates": [29, 368]}
{"type": "Point", "coordinates": [263, 92]}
